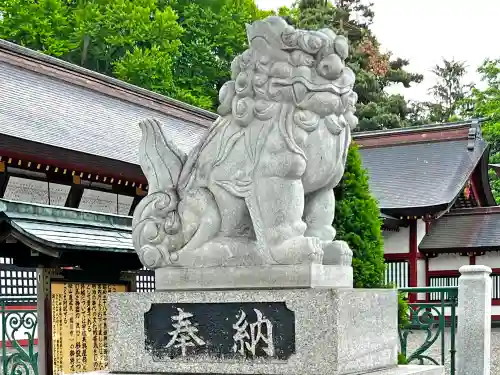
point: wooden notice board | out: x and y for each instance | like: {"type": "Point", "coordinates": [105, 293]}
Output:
{"type": "Point", "coordinates": [79, 332]}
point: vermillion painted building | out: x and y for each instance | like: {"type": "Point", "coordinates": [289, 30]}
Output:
{"type": "Point", "coordinates": [68, 145]}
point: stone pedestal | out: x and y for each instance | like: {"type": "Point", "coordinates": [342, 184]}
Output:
{"type": "Point", "coordinates": [256, 331]}
{"type": "Point", "coordinates": [314, 331]}
{"type": "Point", "coordinates": [291, 322]}
{"type": "Point", "coordinates": [256, 277]}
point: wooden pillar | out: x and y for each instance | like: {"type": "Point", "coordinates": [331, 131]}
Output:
{"type": "Point", "coordinates": [472, 259]}
{"type": "Point", "coordinates": [413, 256]}
{"type": "Point", "coordinates": [427, 277]}
{"type": "Point", "coordinates": [475, 190]}
{"type": "Point", "coordinates": [44, 321]}
{"type": "Point", "coordinates": [42, 294]}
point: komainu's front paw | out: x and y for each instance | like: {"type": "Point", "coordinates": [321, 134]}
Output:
{"type": "Point", "coordinates": [337, 253]}
{"type": "Point", "coordinates": [298, 250]}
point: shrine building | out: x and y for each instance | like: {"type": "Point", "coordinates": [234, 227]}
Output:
{"type": "Point", "coordinates": [432, 186]}
{"type": "Point", "coordinates": [70, 179]}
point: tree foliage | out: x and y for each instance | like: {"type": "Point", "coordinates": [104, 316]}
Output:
{"type": "Point", "coordinates": [132, 40]}
{"type": "Point", "coordinates": [357, 221]}
{"type": "Point", "coordinates": [449, 92]}
{"type": "Point", "coordinates": [184, 49]}
{"type": "Point", "coordinates": [486, 104]}
{"type": "Point", "coordinates": [214, 34]}
{"type": "Point", "coordinates": [375, 70]}
{"type": "Point", "coordinates": [178, 48]}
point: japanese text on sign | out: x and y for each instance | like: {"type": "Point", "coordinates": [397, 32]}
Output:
{"type": "Point", "coordinates": [79, 326]}
{"type": "Point", "coordinates": [220, 330]}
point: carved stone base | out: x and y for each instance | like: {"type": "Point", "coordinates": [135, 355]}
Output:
{"type": "Point", "coordinates": [285, 331]}
{"type": "Point", "coordinates": [274, 276]}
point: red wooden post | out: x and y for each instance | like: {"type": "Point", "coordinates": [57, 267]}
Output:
{"type": "Point", "coordinates": [413, 256]}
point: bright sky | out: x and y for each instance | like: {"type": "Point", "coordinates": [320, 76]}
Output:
{"type": "Point", "coordinates": [425, 31]}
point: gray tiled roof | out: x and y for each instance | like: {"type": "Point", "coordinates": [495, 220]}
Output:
{"type": "Point", "coordinates": [68, 229]}
{"type": "Point", "coordinates": [420, 174]}
{"type": "Point", "coordinates": [470, 228]}
{"type": "Point", "coordinates": [27, 54]}
{"type": "Point", "coordinates": [57, 235]}
{"type": "Point", "coordinates": [43, 109]}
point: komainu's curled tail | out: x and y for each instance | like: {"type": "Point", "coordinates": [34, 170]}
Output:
{"type": "Point", "coordinates": [156, 224]}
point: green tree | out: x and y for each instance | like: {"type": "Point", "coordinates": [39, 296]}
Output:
{"type": "Point", "coordinates": [44, 25]}
{"type": "Point", "coordinates": [313, 14]}
{"type": "Point", "coordinates": [214, 34]}
{"type": "Point", "coordinates": [449, 92]}
{"type": "Point", "coordinates": [486, 103]}
{"type": "Point", "coordinates": [374, 70]}
{"type": "Point", "coordinates": [136, 41]}
{"type": "Point", "coordinates": [419, 113]}
{"type": "Point", "coordinates": [357, 221]}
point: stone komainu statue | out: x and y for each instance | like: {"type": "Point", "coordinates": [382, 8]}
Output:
{"type": "Point", "coordinates": [258, 188]}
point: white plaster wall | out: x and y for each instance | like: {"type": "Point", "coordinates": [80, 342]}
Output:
{"type": "Point", "coordinates": [490, 259]}
{"type": "Point", "coordinates": [447, 262]}
{"type": "Point", "coordinates": [396, 242]}
{"type": "Point", "coordinates": [495, 310]}
{"type": "Point", "coordinates": [420, 230]}
{"type": "Point", "coordinates": [421, 276]}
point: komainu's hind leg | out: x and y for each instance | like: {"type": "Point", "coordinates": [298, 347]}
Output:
{"type": "Point", "coordinates": [319, 212]}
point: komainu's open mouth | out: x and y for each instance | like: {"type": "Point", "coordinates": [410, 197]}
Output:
{"type": "Point", "coordinates": [317, 94]}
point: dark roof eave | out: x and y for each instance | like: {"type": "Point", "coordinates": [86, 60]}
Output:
{"type": "Point", "coordinates": [64, 158]}
{"type": "Point", "coordinates": [404, 212]}
{"type": "Point", "coordinates": [447, 250]}
{"type": "Point", "coordinates": [416, 129]}
{"type": "Point", "coordinates": [484, 179]}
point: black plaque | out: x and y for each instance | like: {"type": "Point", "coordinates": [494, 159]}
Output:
{"type": "Point", "coordinates": [220, 330]}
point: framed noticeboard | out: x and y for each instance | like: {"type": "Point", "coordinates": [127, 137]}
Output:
{"type": "Point", "coordinates": [79, 331]}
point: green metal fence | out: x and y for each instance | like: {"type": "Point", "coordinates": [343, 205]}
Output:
{"type": "Point", "coordinates": [18, 323]}
{"type": "Point", "coordinates": [432, 317]}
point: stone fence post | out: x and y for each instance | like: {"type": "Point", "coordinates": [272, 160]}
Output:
{"type": "Point", "coordinates": [474, 320]}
